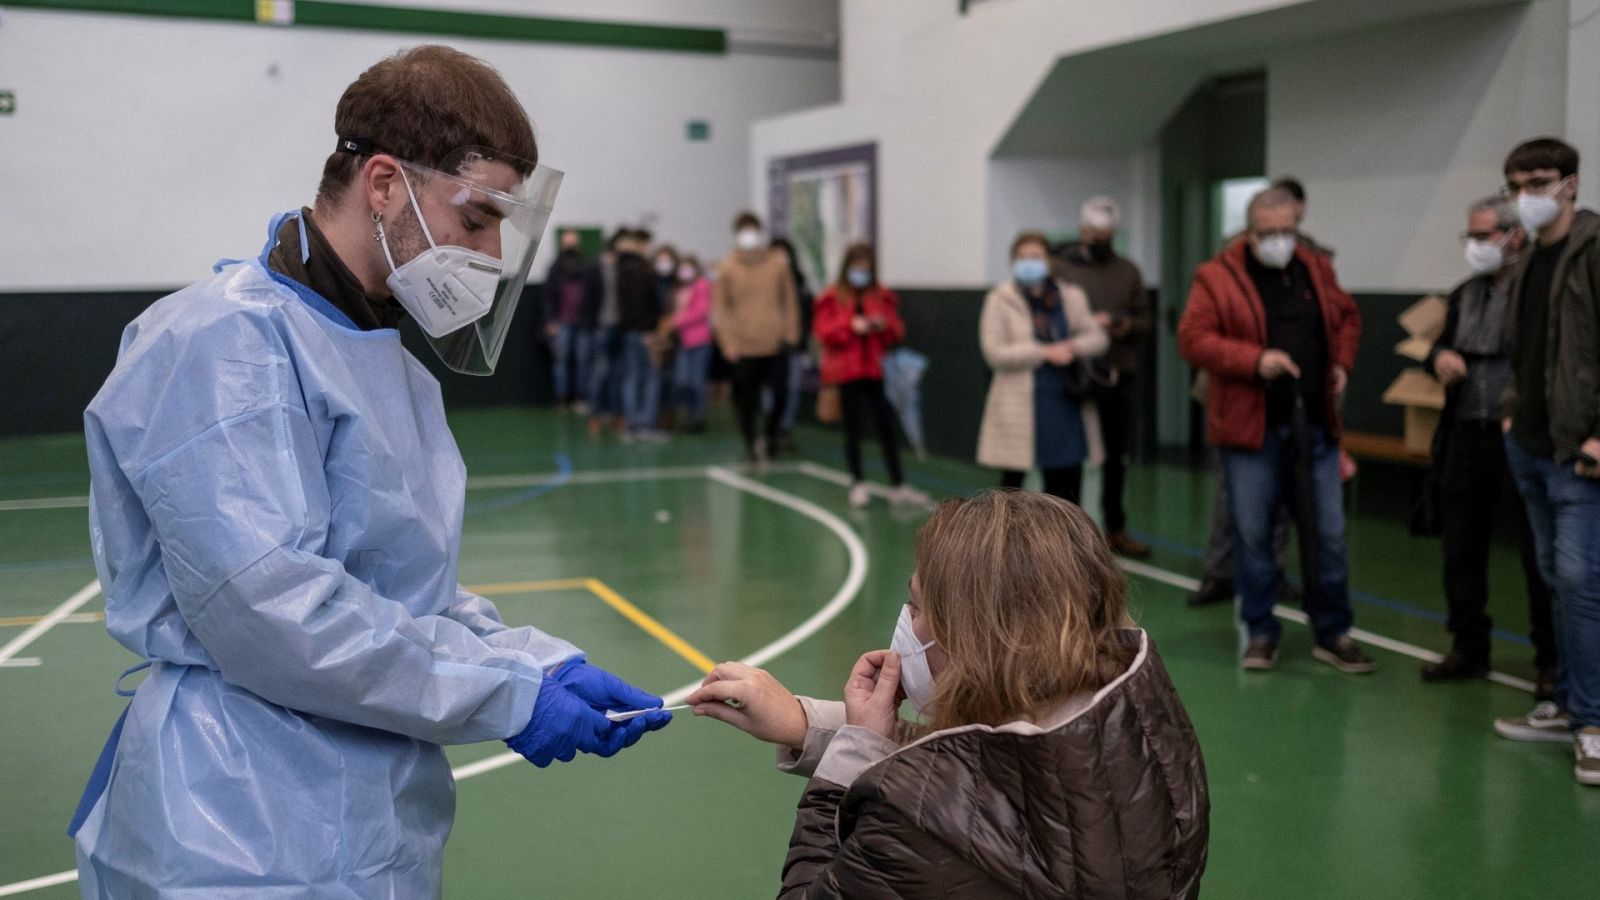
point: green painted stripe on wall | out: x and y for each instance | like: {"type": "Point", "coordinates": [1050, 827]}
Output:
{"type": "Point", "coordinates": [417, 20]}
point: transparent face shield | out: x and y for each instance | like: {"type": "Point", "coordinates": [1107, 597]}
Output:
{"type": "Point", "coordinates": [481, 216]}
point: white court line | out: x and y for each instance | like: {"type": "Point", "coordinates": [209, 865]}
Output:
{"type": "Point", "coordinates": [51, 620]}
{"type": "Point", "coordinates": [22, 662]}
{"type": "Point", "coordinates": [44, 503]}
{"type": "Point", "coordinates": [1294, 615]}
{"type": "Point", "coordinates": [34, 884]}
{"type": "Point", "coordinates": [854, 579]}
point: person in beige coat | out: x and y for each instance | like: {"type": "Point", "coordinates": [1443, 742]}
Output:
{"type": "Point", "coordinates": [755, 314]}
{"type": "Point", "coordinates": [1035, 332]}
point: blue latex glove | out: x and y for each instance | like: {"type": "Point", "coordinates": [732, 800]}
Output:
{"type": "Point", "coordinates": [562, 724]}
{"type": "Point", "coordinates": [603, 690]}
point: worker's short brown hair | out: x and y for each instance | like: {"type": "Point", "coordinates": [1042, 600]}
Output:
{"type": "Point", "coordinates": [420, 105]}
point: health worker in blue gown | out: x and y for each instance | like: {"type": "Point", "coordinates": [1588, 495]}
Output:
{"type": "Point", "coordinates": [276, 517]}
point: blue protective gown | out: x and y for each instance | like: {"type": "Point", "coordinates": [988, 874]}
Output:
{"type": "Point", "coordinates": [276, 516]}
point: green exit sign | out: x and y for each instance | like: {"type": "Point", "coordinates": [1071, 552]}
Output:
{"type": "Point", "coordinates": [8, 103]}
{"type": "Point", "coordinates": [699, 130]}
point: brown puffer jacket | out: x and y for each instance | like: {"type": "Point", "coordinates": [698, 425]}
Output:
{"type": "Point", "coordinates": [1106, 799]}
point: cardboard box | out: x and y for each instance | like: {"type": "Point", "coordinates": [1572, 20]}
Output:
{"type": "Point", "coordinates": [1424, 319]}
{"type": "Point", "coordinates": [1423, 398]}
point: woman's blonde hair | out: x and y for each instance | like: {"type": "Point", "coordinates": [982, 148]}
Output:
{"type": "Point", "coordinates": [1023, 595]}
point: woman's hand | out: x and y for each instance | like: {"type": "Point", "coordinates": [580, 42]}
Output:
{"type": "Point", "coordinates": [1059, 353]}
{"type": "Point", "coordinates": [767, 710]}
{"type": "Point", "coordinates": [872, 695]}
{"type": "Point", "coordinates": [860, 324]}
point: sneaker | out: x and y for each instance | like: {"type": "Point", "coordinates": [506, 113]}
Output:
{"type": "Point", "coordinates": [1586, 747]}
{"type": "Point", "coordinates": [860, 495]}
{"type": "Point", "coordinates": [1547, 723]}
{"type": "Point", "coordinates": [580, 408]}
{"type": "Point", "coordinates": [1544, 687]}
{"type": "Point", "coordinates": [1344, 655]}
{"type": "Point", "coordinates": [654, 436]}
{"type": "Point", "coordinates": [1212, 590]}
{"type": "Point", "coordinates": [627, 437]}
{"type": "Point", "coordinates": [1123, 544]}
{"type": "Point", "coordinates": [1454, 667]}
{"type": "Point", "coordinates": [759, 452]}
{"type": "Point", "coordinates": [906, 495]}
{"type": "Point", "coordinates": [1260, 655]}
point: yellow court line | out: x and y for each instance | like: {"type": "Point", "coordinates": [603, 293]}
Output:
{"type": "Point", "coordinates": [612, 599]}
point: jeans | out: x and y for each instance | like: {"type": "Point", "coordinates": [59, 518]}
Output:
{"type": "Point", "coordinates": [1475, 490]}
{"type": "Point", "coordinates": [1258, 483]}
{"type": "Point", "coordinates": [751, 376]}
{"type": "Point", "coordinates": [791, 410]}
{"type": "Point", "coordinates": [691, 372]}
{"type": "Point", "coordinates": [864, 399]}
{"type": "Point", "coordinates": [1564, 514]}
{"type": "Point", "coordinates": [605, 373]}
{"type": "Point", "coordinates": [570, 349]}
{"type": "Point", "coordinates": [641, 383]}
{"type": "Point", "coordinates": [1218, 562]}
{"type": "Point", "coordinates": [1065, 482]}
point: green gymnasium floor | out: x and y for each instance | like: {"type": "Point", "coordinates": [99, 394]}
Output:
{"type": "Point", "coordinates": [1322, 785]}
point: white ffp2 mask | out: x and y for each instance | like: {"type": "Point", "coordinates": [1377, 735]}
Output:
{"type": "Point", "coordinates": [915, 676]}
{"type": "Point", "coordinates": [1538, 210]}
{"type": "Point", "coordinates": [444, 288]}
{"type": "Point", "coordinates": [1275, 250]}
{"type": "Point", "coordinates": [1485, 256]}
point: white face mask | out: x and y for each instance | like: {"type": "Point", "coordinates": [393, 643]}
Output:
{"type": "Point", "coordinates": [1539, 210]}
{"type": "Point", "coordinates": [915, 676]}
{"type": "Point", "coordinates": [444, 288]}
{"type": "Point", "coordinates": [749, 239]}
{"type": "Point", "coordinates": [664, 268]}
{"type": "Point", "coordinates": [1275, 250]}
{"type": "Point", "coordinates": [1485, 256]}
{"type": "Point", "coordinates": [686, 273]}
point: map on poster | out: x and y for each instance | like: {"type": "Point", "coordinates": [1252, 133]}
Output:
{"type": "Point", "coordinates": [823, 202]}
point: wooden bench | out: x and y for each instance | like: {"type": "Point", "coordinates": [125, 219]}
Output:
{"type": "Point", "coordinates": [1383, 447]}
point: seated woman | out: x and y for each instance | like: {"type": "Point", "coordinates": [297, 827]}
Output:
{"type": "Point", "coordinates": [1053, 759]}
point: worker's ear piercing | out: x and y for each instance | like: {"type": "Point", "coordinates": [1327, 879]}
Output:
{"type": "Point", "coordinates": [377, 226]}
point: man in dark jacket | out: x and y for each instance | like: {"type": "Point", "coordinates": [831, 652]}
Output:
{"type": "Point", "coordinates": [600, 315]}
{"type": "Point", "coordinates": [1117, 296]}
{"type": "Point", "coordinates": [1270, 324]}
{"type": "Point", "coordinates": [1553, 432]}
{"type": "Point", "coordinates": [569, 336]}
{"type": "Point", "coordinates": [1471, 358]}
{"type": "Point", "coordinates": [638, 314]}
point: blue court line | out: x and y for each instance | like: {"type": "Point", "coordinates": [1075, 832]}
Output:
{"type": "Point", "coordinates": [1192, 552]}
{"type": "Point", "coordinates": [507, 501]}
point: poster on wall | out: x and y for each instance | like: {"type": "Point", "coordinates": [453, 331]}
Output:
{"type": "Point", "coordinates": [823, 202]}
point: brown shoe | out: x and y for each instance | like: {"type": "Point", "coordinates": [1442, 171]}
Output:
{"type": "Point", "coordinates": [1123, 544]}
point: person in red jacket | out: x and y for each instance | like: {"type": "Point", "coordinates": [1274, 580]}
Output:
{"type": "Point", "coordinates": [1268, 321]}
{"type": "Point", "coordinates": [857, 320]}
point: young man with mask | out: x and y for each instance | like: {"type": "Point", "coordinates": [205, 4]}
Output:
{"type": "Point", "coordinates": [1471, 358]}
{"type": "Point", "coordinates": [756, 316]}
{"type": "Point", "coordinates": [276, 515]}
{"type": "Point", "coordinates": [1268, 321]}
{"type": "Point", "coordinates": [1553, 432]}
{"type": "Point", "coordinates": [1121, 306]}
{"type": "Point", "coordinates": [564, 324]}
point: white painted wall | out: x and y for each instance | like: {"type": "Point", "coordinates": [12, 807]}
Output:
{"type": "Point", "coordinates": [144, 149]}
{"type": "Point", "coordinates": [1047, 194]}
{"type": "Point", "coordinates": [1395, 130]}
{"type": "Point", "coordinates": [1394, 122]}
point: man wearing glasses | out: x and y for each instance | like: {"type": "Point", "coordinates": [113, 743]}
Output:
{"type": "Point", "coordinates": [1472, 359]}
{"type": "Point", "coordinates": [1553, 432]}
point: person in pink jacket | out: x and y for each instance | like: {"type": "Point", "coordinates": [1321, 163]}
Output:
{"type": "Point", "coordinates": [691, 312]}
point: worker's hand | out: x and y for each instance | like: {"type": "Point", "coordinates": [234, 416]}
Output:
{"type": "Point", "coordinates": [1059, 354]}
{"type": "Point", "coordinates": [1591, 449]}
{"type": "Point", "coordinates": [561, 722]}
{"type": "Point", "coordinates": [1449, 367]}
{"type": "Point", "coordinates": [1274, 364]}
{"type": "Point", "coordinates": [860, 325]}
{"type": "Point", "coordinates": [603, 690]}
{"type": "Point", "coordinates": [1341, 380]}
{"type": "Point", "coordinates": [766, 709]}
{"type": "Point", "coordinates": [872, 695]}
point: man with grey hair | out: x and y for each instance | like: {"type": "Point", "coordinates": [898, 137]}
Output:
{"type": "Point", "coordinates": [1117, 296]}
{"type": "Point", "coordinates": [1269, 322]}
{"type": "Point", "coordinates": [1472, 358]}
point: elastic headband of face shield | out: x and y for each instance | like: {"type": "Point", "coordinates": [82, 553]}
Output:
{"type": "Point", "coordinates": [493, 185]}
